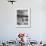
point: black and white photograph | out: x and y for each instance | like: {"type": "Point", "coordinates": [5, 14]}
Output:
{"type": "Point", "coordinates": [23, 17]}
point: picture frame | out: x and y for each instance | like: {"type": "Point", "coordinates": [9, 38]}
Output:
{"type": "Point", "coordinates": [23, 17]}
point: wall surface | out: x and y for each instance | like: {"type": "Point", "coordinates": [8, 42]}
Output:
{"type": "Point", "coordinates": [8, 30]}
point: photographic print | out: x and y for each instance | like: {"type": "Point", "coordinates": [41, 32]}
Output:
{"type": "Point", "coordinates": [23, 17]}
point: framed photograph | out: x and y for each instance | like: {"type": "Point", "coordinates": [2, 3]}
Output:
{"type": "Point", "coordinates": [23, 17]}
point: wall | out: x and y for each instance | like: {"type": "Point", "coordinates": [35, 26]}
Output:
{"type": "Point", "coordinates": [8, 28]}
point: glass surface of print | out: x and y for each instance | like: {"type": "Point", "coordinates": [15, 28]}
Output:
{"type": "Point", "coordinates": [23, 17]}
